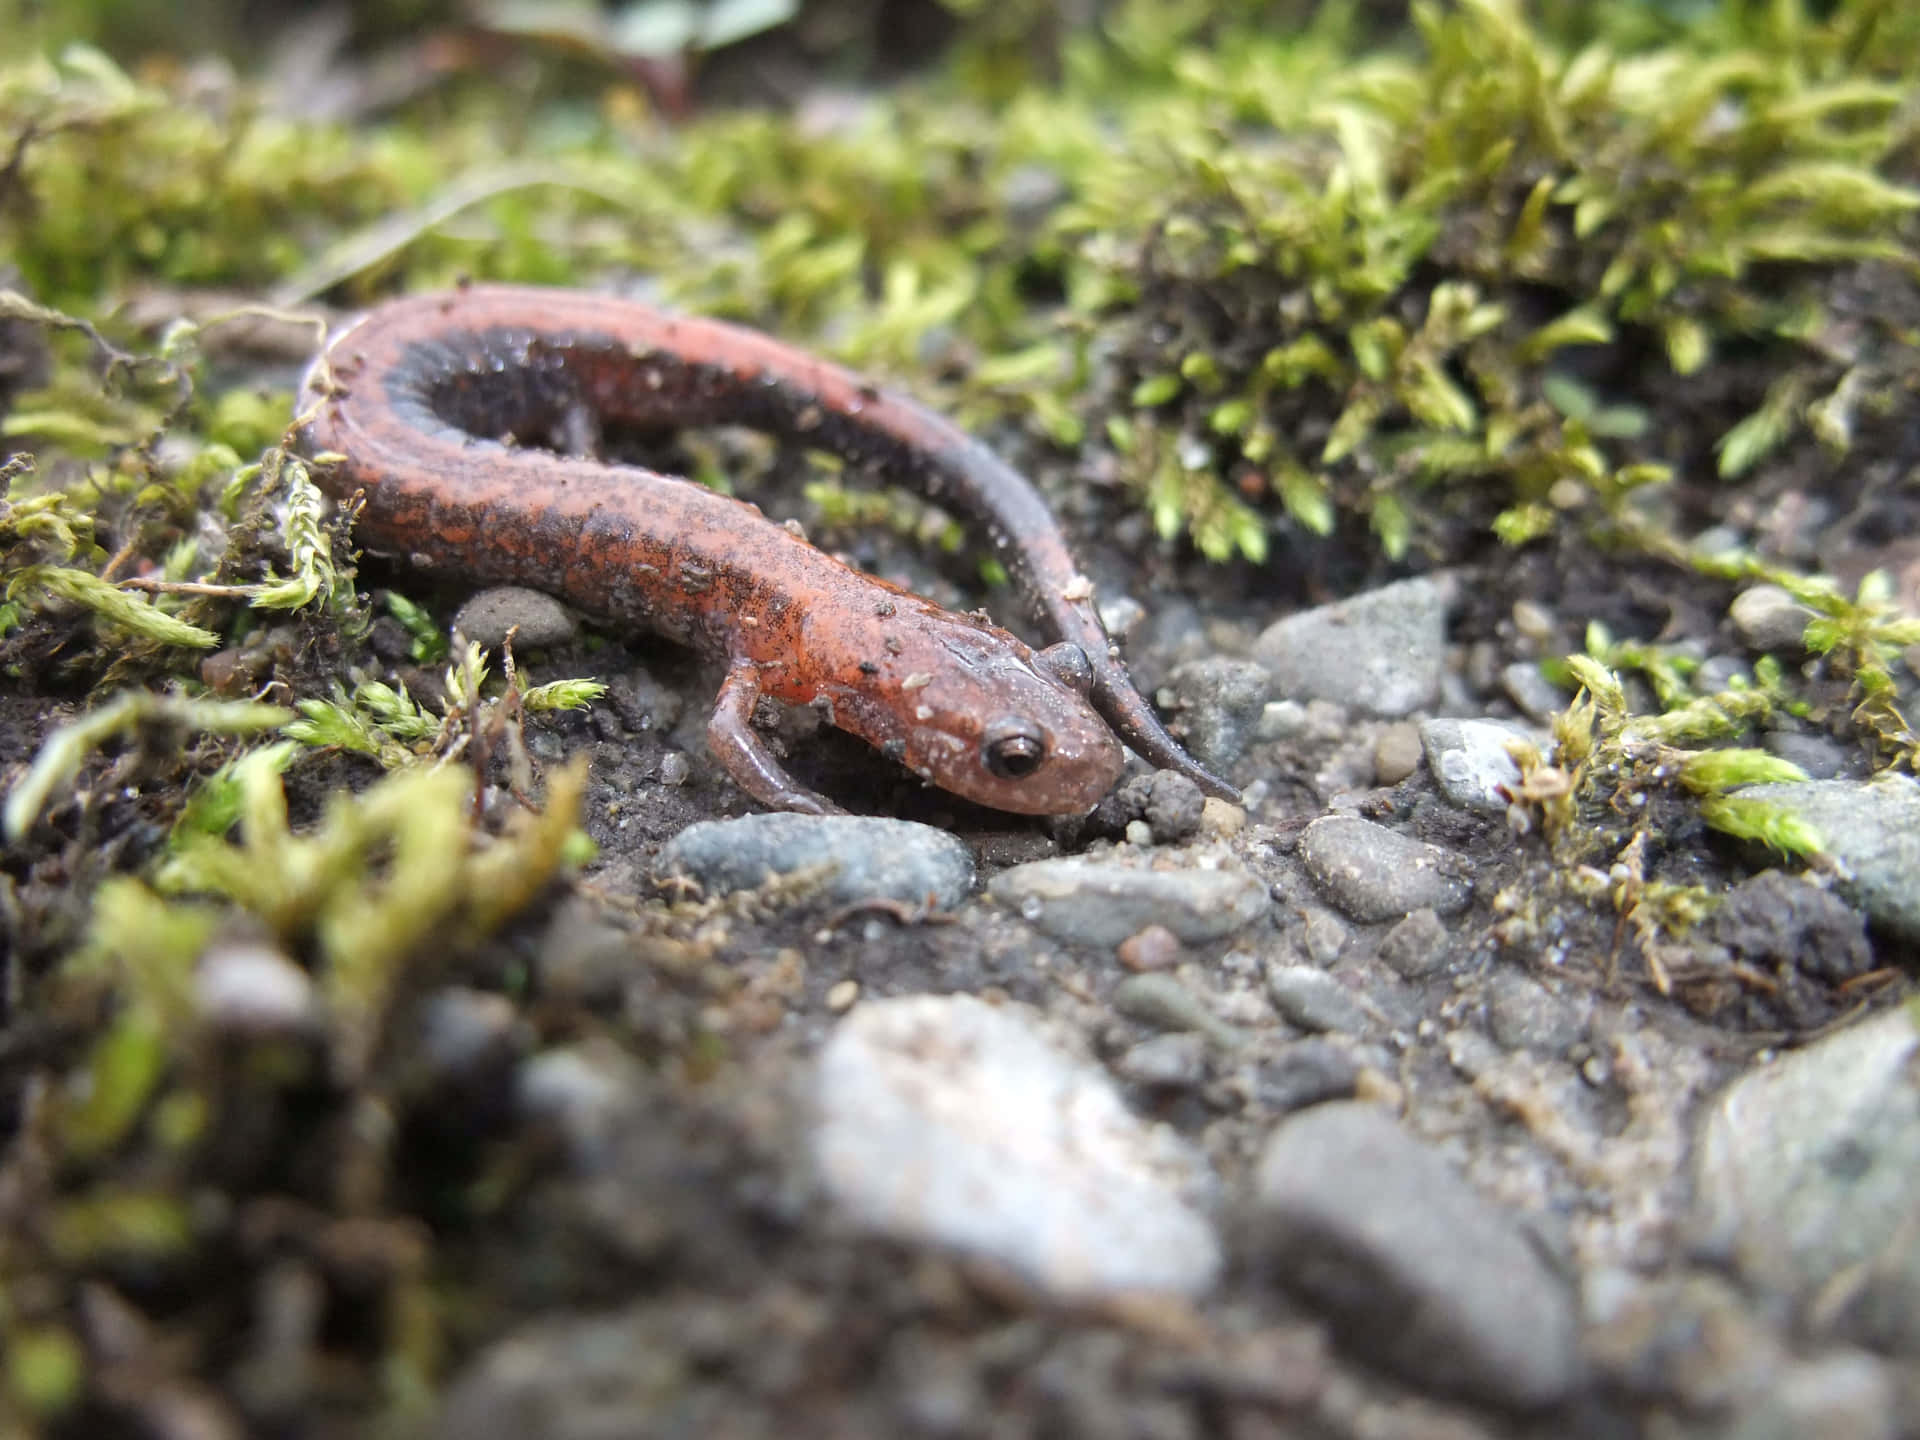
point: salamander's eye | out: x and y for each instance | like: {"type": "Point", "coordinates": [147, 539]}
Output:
{"type": "Point", "coordinates": [1013, 748]}
{"type": "Point", "coordinates": [1067, 663]}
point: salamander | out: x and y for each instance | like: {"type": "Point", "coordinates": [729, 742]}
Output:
{"type": "Point", "coordinates": [467, 423]}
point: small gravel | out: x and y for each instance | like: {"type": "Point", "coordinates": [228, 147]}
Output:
{"type": "Point", "coordinates": [1314, 1000]}
{"type": "Point", "coordinates": [1306, 1072]}
{"type": "Point", "coordinates": [954, 1123]}
{"type": "Point", "coordinates": [1373, 873]}
{"type": "Point", "coordinates": [1410, 1264]}
{"type": "Point", "coordinates": [1470, 761]}
{"type": "Point", "coordinates": [542, 622]}
{"type": "Point", "coordinates": [877, 859]}
{"type": "Point", "coordinates": [1525, 1015]}
{"type": "Point", "coordinates": [1380, 653]}
{"type": "Point", "coordinates": [1174, 806]}
{"type": "Point", "coordinates": [1162, 1001]}
{"type": "Point", "coordinates": [1165, 1062]}
{"type": "Point", "coordinates": [1806, 1171]}
{"type": "Point", "coordinates": [1396, 754]}
{"type": "Point", "coordinates": [1768, 619]}
{"type": "Point", "coordinates": [1101, 903]}
{"type": "Point", "coordinates": [1417, 946]}
{"type": "Point", "coordinates": [251, 988]}
{"type": "Point", "coordinates": [1219, 703]}
{"type": "Point", "coordinates": [1536, 695]}
{"type": "Point", "coordinates": [1873, 829]}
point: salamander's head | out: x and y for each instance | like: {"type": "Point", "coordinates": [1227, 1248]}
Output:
{"type": "Point", "coordinates": [968, 707]}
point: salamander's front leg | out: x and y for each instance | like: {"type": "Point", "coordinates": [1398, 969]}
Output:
{"type": "Point", "coordinates": [745, 758]}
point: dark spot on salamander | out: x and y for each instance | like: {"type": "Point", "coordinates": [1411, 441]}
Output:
{"type": "Point", "coordinates": [867, 667]}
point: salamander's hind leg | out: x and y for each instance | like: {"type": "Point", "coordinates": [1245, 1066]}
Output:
{"type": "Point", "coordinates": [744, 756]}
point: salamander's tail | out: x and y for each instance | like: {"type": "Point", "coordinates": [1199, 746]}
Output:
{"type": "Point", "coordinates": [1134, 721]}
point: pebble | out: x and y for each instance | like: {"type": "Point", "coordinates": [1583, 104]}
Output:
{"type": "Point", "coordinates": [1396, 754]}
{"type": "Point", "coordinates": [1525, 1015]}
{"type": "Point", "coordinates": [1417, 946]}
{"type": "Point", "coordinates": [878, 859]}
{"type": "Point", "coordinates": [1820, 756]}
{"type": "Point", "coordinates": [1166, 1062]}
{"type": "Point", "coordinates": [1380, 653]}
{"type": "Point", "coordinates": [1153, 948]}
{"type": "Point", "coordinates": [1470, 761]}
{"type": "Point", "coordinates": [1325, 936]}
{"type": "Point", "coordinates": [1162, 1001]}
{"type": "Point", "coordinates": [1314, 1000]}
{"type": "Point", "coordinates": [1805, 1171]}
{"type": "Point", "coordinates": [1873, 829]}
{"type": "Point", "coordinates": [1537, 696]}
{"type": "Point", "coordinates": [583, 1093]}
{"type": "Point", "coordinates": [1219, 702]}
{"type": "Point", "coordinates": [1410, 1264]}
{"type": "Point", "coordinates": [1101, 903]}
{"type": "Point", "coordinates": [949, 1122]}
{"type": "Point", "coordinates": [1844, 1395]}
{"type": "Point", "coordinates": [542, 621]}
{"type": "Point", "coordinates": [1174, 806]}
{"type": "Point", "coordinates": [1768, 619]}
{"type": "Point", "coordinates": [252, 988]}
{"type": "Point", "coordinates": [1373, 873]}
{"type": "Point", "coordinates": [1306, 1073]}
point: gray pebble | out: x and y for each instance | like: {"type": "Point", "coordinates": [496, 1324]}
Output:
{"type": "Point", "coordinates": [467, 1033]}
{"type": "Point", "coordinates": [950, 1122]}
{"type": "Point", "coordinates": [1307, 1072]}
{"type": "Point", "coordinates": [1537, 696]}
{"type": "Point", "coordinates": [252, 988]}
{"type": "Point", "coordinates": [1417, 946]}
{"type": "Point", "coordinates": [1220, 702]}
{"type": "Point", "coordinates": [1768, 619]}
{"type": "Point", "coordinates": [583, 1093]}
{"type": "Point", "coordinates": [1805, 1170]}
{"type": "Point", "coordinates": [1470, 761]}
{"type": "Point", "coordinates": [1844, 1395]}
{"type": "Point", "coordinates": [1162, 1001]}
{"type": "Point", "coordinates": [675, 769]}
{"type": "Point", "coordinates": [1409, 1262]}
{"type": "Point", "coordinates": [1091, 902]}
{"type": "Point", "coordinates": [1873, 829]}
{"type": "Point", "coordinates": [1166, 1062]}
{"type": "Point", "coordinates": [1525, 1015]}
{"type": "Point", "coordinates": [1396, 754]}
{"type": "Point", "coordinates": [1173, 806]}
{"type": "Point", "coordinates": [542, 621]}
{"type": "Point", "coordinates": [1373, 873]}
{"type": "Point", "coordinates": [1380, 653]}
{"type": "Point", "coordinates": [1721, 672]}
{"type": "Point", "coordinates": [1314, 1000]}
{"type": "Point", "coordinates": [1820, 756]}
{"type": "Point", "coordinates": [567, 1378]}
{"type": "Point", "coordinates": [1325, 936]}
{"type": "Point", "coordinates": [877, 859]}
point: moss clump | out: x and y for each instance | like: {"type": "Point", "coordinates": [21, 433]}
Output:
{"type": "Point", "coordinates": [1362, 284]}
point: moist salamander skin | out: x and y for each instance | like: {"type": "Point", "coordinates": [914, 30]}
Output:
{"type": "Point", "coordinates": [439, 405]}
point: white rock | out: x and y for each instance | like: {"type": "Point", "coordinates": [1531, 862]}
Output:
{"type": "Point", "coordinates": [955, 1123]}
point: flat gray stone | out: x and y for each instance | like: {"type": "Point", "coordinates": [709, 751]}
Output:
{"type": "Point", "coordinates": [1381, 652]}
{"type": "Point", "coordinates": [1470, 762]}
{"type": "Point", "coordinates": [1314, 1000]}
{"type": "Point", "coordinates": [876, 859]}
{"type": "Point", "coordinates": [958, 1124]}
{"type": "Point", "coordinates": [1873, 829]}
{"type": "Point", "coordinates": [1806, 1168]}
{"type": "Point", "coordinates": [1373, 873]}
{"type": "Point", "coordinates": [541, 621]}
{"type": "Point", "coordinates": [1093, 902]}
{"type": "Point", "coordinates": [1411, 1265]}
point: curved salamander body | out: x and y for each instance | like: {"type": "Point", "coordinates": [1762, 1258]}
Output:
{"type": "Point", "coordinates": [435, 402]}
